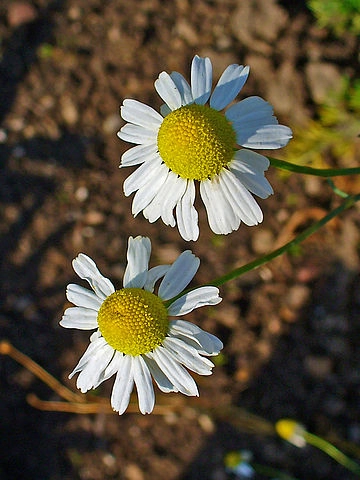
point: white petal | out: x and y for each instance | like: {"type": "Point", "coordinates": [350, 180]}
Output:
{"type": "Point", "coordinates": [143, 384]}
{"type": "Point", "coordinates": [188, 356]}
{"type": "Point", "coordinates": [172, 193]}
{"type": "Point", "coordinates": [196, 298]}
{"type": "Point", "coordinates": [160, 378]}
{"type": "Point", "coordinates": [80, 318]}
{"type": "Point", "coordinates": [186, 214]}
{"type": "Point", "coordinates": [268, 137]}
{"type": "Point", "coordinates": [166, 199]}
{"type": "Point", "coordinates": [247, 161]}
{"type": "Point", "coordinates": [229, 86]}
{"type": "Point", "coordinates": [249, 168]}
{"type": "Point", "coordinates": [96, 342]}
{"type": "Point", "coordinates": [177, 374]}
{"type": "Point", "coordinates": [138, 255]}
{"type": "Point", "coordinates": [91, 365]}
{"type": "Point", "coordinates": [211, 206]}
{"type": "Point", "coordinates": [191, 338]}
{"type": "Point", "coordinates": [220, 208]}
{"type": "Point", "coordinates": [153, 275]}
{"type": "Point", "coordinates": [139, 154]}
{"type": "Point", "coordinates": [112, 367]}
{"type": "Point", "coordinates": [82, 297]}
{"type": "Point", "coordinates": [123, 385]}
{"type": "Point", "coordinates": [93, 370]}
{"type": "Point", "coordinates": [204, 342]}
{"type": "Point", "coordinates": [165, 110]}
{"type": "Point", "coordinates": [255, 125]}
{"type": "Point", "coordinates": [210, 344]}
{"type": "Point", "coordinates": [260, 186]}
{"type": "Point", "coordinates": [243, 203]}
{"type": "Point", "coordinates": [153, 208]}
{"type": "Point", "coordinates": [183, 87]}
{"type": "Point", "coordinates": [140, 114]}
{"type": "Point", "coordinates": [142, 175]}
{"type": "Point", "coordinates": [86, 268]}
{"type": "Point", "coordinates": [182, 326]}
{"type": "Point", "coordinates": [135, 134]}
{"type": "Point", "coordinates": [168, 91]}
{"type": "Point", "coordinates": [179, 275]}
{"type": "Point", "coordinates": [253, 111]}
{"type": "Point", "coordinates": [145, 195]}
{"type": "Point", "coordinates": [201, 79]}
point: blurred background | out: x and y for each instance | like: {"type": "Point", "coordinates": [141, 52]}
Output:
{"type": "Point", "coordinates": [291, 328]}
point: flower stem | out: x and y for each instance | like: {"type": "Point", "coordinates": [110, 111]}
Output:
{"type": "Point", "coordinates": [346, 204]}
{"type": "Point", "coordinates": [271, 472]}
{"type": "Point", "coordinates": [319, 172]}
{"type": "Point", "coordinates": [333, 452]}
{"type": "Point", "coordinates": [7, 349]}
{"type": "Point", "coordinates": [337, 190]}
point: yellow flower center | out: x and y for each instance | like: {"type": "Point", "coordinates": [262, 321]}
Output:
{"type": "Point", "coordinates": [133, 321]}
{"type": "Point", "coordinates": [196, 142]}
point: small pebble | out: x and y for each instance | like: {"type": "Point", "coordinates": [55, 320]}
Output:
{"type": "Point", "coordinates": [111, 124]}
{"type": "Point", "coordinates": [3, 136]}
{"type": "Point", "coordinates": [109, 462]}
{"type": "Point", "coordinates": [18, 151]}
{"type": "Point", "coordinates": [19, 13]}
{"type": "Point", "coordinates": [94, 218]}
{"type": "Point", "coordinates": [69, 111]}
{"type": "Point", "coordinates": [318, 366]}
{"type": "Point", "coordinates": [133, 472]}
{"type": "Point", "coordinates": [81, 194]}
{"type": "Point", "coordinates": [297, 296]}
{"type": "Point", "coordinates": [263, 241]}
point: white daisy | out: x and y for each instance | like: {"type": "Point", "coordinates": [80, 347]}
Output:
{"type": "Point", "coordinates": [192, 141]}
{"type": "Point", "coordinates": [134, 337]}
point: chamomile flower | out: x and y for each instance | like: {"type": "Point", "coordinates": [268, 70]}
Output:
{"type": "Point", "coordinates": [134, 338]}
{"type": "Point", "coordinates": [195, 140]}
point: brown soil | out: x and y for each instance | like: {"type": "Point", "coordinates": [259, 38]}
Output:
{"type": "Point", "coordinates": [290, 329]}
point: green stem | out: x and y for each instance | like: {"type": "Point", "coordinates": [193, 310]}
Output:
{"type": "Point", "coordinates": [333, 452]}
{"type": "Point", "coordinates": [346, 204]}
{"type": "Point", "coordinates": [319, 172]}
{"type": "Point", "coordinates": [337, 190]}
{"type": "Point", "coordinates": [270, 472]}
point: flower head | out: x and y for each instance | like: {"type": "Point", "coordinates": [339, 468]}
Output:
{"type": "Point", "coordinates": [291, 431]}
{"type": "Point", "coordinates": [238, 463]}
{"type": "Point", "coordinates": [193, 140]}
{"type": "Point", "coordinates": [134, 337]}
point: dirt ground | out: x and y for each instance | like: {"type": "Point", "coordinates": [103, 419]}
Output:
{"type": "Point", "coordinates": [290, 329]}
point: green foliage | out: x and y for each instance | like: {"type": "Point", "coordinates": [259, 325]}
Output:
{"type": "Point", "coordinates": [46, 51]}
{"type": "Point", "coordinates": [338, 15]}
{"type": "Point", "coordinates": [333, 136]}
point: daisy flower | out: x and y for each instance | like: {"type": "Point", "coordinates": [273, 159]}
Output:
{"type": "Point", "coordinates": [134, 337]}
{"type": "Point", "coordinates": [195, 140]}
